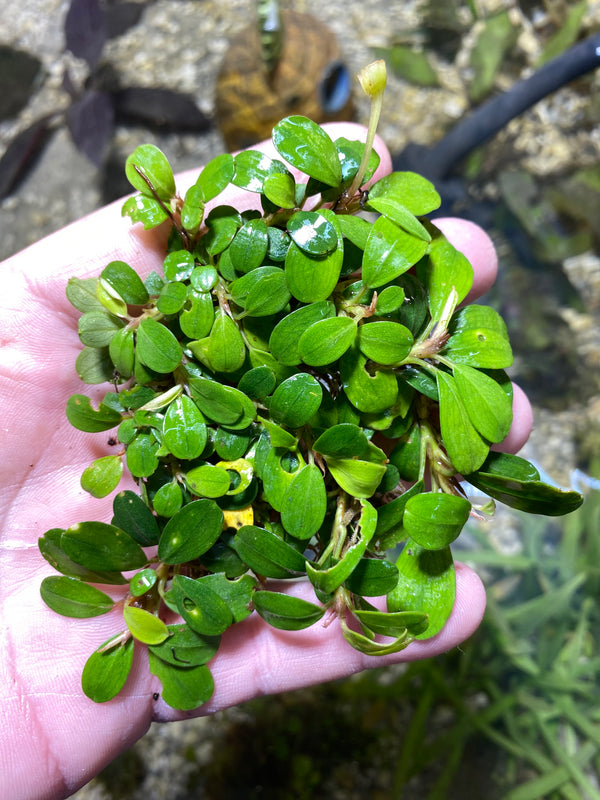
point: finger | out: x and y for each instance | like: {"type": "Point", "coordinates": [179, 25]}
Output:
{"type": "Point", "coordinates": [255, 659]}
{"type": "Point", "coordinates": [521, 426]}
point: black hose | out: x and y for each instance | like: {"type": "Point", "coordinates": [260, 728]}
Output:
{"type": "Point", "coordinates": [437, 161]}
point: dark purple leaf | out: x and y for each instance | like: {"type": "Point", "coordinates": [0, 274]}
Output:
{"type": "Point", "coordinates": [122, 16]}
{"type": "Point", "coordinates": [91, 123]}
{"type": "Point", "coordinates": [20, 153]}
{"type": "Point", "coordinates": [161, 107]}
{"type": "Point", "coordinates": [86, 30]}
{"type": "Point", "coordinates": [18, 71]}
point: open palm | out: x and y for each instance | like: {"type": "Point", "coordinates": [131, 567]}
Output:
{"type": "Point", "coordinates": [52, 738]}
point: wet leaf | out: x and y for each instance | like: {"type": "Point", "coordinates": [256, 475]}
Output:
{"type": "Point", "coordinates": [249, 247]}
{"type": "Point", "coordinates": [252, 168]}
{"type": "Point", "coordinates": [390, 252]}
{"type": "Point", "coordinates": [372, 578]}
{"type": "Point", "coordinates": [280, 189]}
{"type": "Point", "coordinates": [312, 279]}
{"type": "Point", "coordinates": [72, 598]}
{"type": "Point", "coordinates": [178, 265]}
{"type": "Point", "coordinates": [146, 210]}
{"type": "Point", "coordinates": [208, 481]}
{"type": "Point", "coordinates": [414, 191]}
{"type": "Point", "coordinates": [312, 232]}
{"type": "Point", "coordinates": [447, 270]}
{"type": "Point", "coordinates": [215, 176]}
{"type": "Point", "coordinates": [226, 348]}
{"type": "Point", "coordinates": [106, 671]}
{"type": "Point", "coordinates": [168, 499]}
{"type": "Point", "coordinates": [142, 582]}
{"type": "Point", "coordinates": [196, 318]}
{"type": "Point", "coordinates": [306, 146]}
{"type": "Point", "coordinates": [172, 298]}
{"type": "Point", "coordinates": [147, 161]}
{"type": "Point", "coordinates": [191, 532]}
{"type": "Point", "coordinates": [141, 455]}
{"type": "Point", "coordinates": [285, 612]}
{"type": "Point", "coordinates": [371, 393]}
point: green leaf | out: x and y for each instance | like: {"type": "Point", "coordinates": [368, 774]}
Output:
{"type": "Point", "coordinates": [328, 579]}
{"type": "Point", "coordinates": [126, 282]}
{"type": "Point", "coordinates": [249, 246]}
{"type": "Point", "coordinates": [478, 338]}
{"type": "Point", "coordinates": [358, 478]}
{"type": "Point", "coordinates": [154, 166]}
{"type": "Point", "coordinates": [172, 297]}
{"type": "Point", "coordinates": [390, 252]}
{"type": "Point", "coordinates": [312, 232]}
{"type": "Point", "coordinates": [514, 481]}
{"type": "Point", "coordinates": [157, 347]}
{"type": "Point", "coordinates": [389, 529]}
{"type": "Point", "coordinates": [427, 584]}
{"type": "Point", "coordinates": [489, 407]}
{"type": "Point", "coordinates": [257, 383]}
{"type": "Point", "coordinates": [394, 623]}
{"type": "Point", "coordinates": [465, 446]}
{"type": "Point", "coordinates": [84, 417]}
{"type": "Point", "coordinates": [447, 270]}
{"type": "Point", "coordinates": [414, 191]}
{"type": "Point", "coordinates": [106, 670]}
{"type": "Point", "coordinates": [184, 430]}
{"type": "Point", "coordinates": [51, 549]}
{"type": "Point", "coordinates": [141, 455]}
{"type": "Point", "coordinates": [215, 176]}
{"type": "Point", "coordinates": [365, 644]}
{"type": "Point", "coordinates": [144, 209]}
{"type": "Point", "coordinates": [306, 146]}
{"type": "Point", "coordinates": [98, 546]}
{"type": "Point", "coordinates": [133, 516]}
{"type": "Point", "coordinates": [226, 348]}
{"type": "Point", "coordinates": [97, 328]}
{"type": "Point", "coordinates": [201, 607]}
{"type": "Point", "coordinates": [295, 400]}
{"type": "Point", "coordinates": [284, 340]}
{"type": "Point", "coordinates": [252, 168]}
{"type": "Point", "coordinates": [285, 612]}
{"type": "Point", "coordinates": [142, 582]}
{"type": "Point", "coordinates": [266, 554]}
{"type": "Point", "coordinates": [217, 401]}
{"type": "Point", "coordinates": [391, 208]}
{"type": "Point", "coordinates": [236, 593]}
{"type": "Point", "coordinates": [369, 393]}
{"type": "Point", "coordinates": [305, 503]}
{"type": "Point", "coordinates": [196, 318]}
{"type": "Point", "coordinates": [168, 499]}
{"type": "Point", "coordinates": [208, 481]}
{"type": "Point", "coordinates": [192, 210]}
{"type": "Point", "coordinates": [178, 265]}
{"type": "Point", "coordinates": [280, 189]}
{"type": "Point", "coordinates": [144, 626]}
{"type": "Point", "coordinates": [311, 279]}
{"type": "Point", "coordinates": [326, 340]}
{"type": "Point", "coordinates": [182, 688]}
{"type": "Point", "coordinates": [434, 519]}
{"type": "Point", "coordinates": [81, 293]}
{"type": "Point", "coordinates": [385, 342]}
{"type": "Point", "coordinates": [277, 472]}
{"type": "Point", "coordinates": [409, 63]}
{"type": "Point", "coordinates": [390, 300]}
{"type": "Point", "coordinates": [191, 532]}
{"type": "Point", "coordinates": [185, 648]}
{"type": "Point", "coordinates": [268, 295]}
{"type": "Point", "coordinates": [122, 351]}
{"type": "Point", "coordinates": [102, 476]}
{"type": "Point", "coordinates": [72, 598]}
{"type": "Point", "coordinates": [372, 578]}
{"type": "Point", "coordinates": [223, 223]}
{"type": "Point", "coordinates": [204, 278]}
{"type": "Point", "coordinates": [342, 441]}
{"type": "Point", "coordinates": [110, 299]}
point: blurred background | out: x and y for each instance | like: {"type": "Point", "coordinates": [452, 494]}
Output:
{"type": "Point", "coordinates": [514, 713]}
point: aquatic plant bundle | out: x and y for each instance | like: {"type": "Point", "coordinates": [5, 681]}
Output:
{"type": "Point", "coordinates": [299, 394]}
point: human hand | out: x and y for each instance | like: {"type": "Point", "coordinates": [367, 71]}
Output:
{"type": "Point", "coordinates": [53, 739]}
